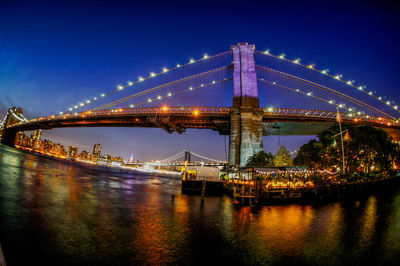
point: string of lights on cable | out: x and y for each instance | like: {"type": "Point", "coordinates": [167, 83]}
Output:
{"type": "Point", "coordinates": [337, 77]}
{"type": "Point", "coordinates": [140, 79]}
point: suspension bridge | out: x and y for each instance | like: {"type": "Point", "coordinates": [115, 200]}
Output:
{"type": "Point", "coordinates": [243, 93]}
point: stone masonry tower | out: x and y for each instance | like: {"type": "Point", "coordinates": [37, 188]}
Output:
{"type": "Point", "coordinates": [246, 117]}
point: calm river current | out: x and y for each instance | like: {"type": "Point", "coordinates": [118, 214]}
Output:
{"type": "Point", "coordinates": [57, 213]}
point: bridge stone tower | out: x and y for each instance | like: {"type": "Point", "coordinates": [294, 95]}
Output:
{"type": "Point", "coordinates": [246, 116]}
{"type": "Point", "coordinates": [8, 135]}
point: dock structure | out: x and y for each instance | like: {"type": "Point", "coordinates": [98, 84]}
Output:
{"type": "Point", "coordinates": [202, 180]}
{"type": "Point", "coordinates": [248, 186]}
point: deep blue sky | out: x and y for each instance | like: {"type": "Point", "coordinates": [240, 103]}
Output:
{"type": "Point", "coordinates": [54, 53]}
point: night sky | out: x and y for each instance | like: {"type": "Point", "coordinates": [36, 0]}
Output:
{"type": "Point", "coordinates": [55, 53]}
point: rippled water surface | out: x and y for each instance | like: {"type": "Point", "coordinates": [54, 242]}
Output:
{"type": "Point", "coordinates": [57, 213]}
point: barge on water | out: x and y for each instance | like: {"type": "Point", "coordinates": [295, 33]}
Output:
{"type": "Point", "coordinates": [202, 180]}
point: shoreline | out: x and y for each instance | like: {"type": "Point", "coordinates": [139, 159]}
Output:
{"type": "Point", "coordinates": [90, 165]}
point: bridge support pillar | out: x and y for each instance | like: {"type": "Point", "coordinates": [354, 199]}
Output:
{"type": "Point", "coordinates": [8, 135]}
{"type": "Point", "coordinates": [245, 136]}
{"type": "Point", "coordinates": [246, 117]}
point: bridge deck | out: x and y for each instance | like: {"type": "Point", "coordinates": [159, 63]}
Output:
{"type": "Point", "coordinates": [277, 121]}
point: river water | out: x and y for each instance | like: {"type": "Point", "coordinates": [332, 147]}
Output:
{"type": "Point", "coordinates": [52, 212]}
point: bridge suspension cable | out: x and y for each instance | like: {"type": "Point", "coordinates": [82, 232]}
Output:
{"type": "Point", "coordinates": [180, 154]}
{"type": "Point", "coordinates": [318, 98]}
{"type": "Point", "coordinates": [173, 157]}
{"type": "Point", "coordinates": [140, 80]}
{"type": "Point", "coordinates": [337, 77]}
{"type": "Point", "coordinates": [329, 90]}
{"type": "Point", "coordinates": [206, 158]}
{"type": "Point", "coordinates": [157, 88]}
{"type": "Point", "coordinates": [203, 85]}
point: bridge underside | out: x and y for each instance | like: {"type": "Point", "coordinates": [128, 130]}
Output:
{"type": "Point", "coordinates": [271, 125]}
{"type": "Point", "coordinates": [295, 128]}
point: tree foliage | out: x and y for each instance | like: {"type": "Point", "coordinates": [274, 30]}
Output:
{"type": "Point", "coordinates": [369, 149]}
{"type": "Point", "coordinates": [260, 159]}
{"type": "Point", "coordinates": [283, 158]}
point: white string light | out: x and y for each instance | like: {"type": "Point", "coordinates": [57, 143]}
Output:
{"type": "Point", "coordinates": [325, 72]}
{"type": "Point", "coordinates": [151, 75]}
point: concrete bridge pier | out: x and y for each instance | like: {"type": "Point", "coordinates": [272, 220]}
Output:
{"type": "Point", "coordinates": [246, 117]}
{"type": "Point", "coordinates": [246, 135]}
{"type": "Point", "coordinates": [8, 135]}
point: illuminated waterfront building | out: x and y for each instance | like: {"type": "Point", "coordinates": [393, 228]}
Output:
{"type": "Point", "coordinates": [97, 150]}
{"type": "Point", "coordinates": [72, 151]}
{"type": "Point", "coordinates": [37, 134]}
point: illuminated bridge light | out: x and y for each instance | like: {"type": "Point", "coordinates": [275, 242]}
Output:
{"type": "Point", "coordinates": [324, 71]}
{"type": "Point", "coordinates": [297, 90]}
{"type": "Point", "coordinates": [282, 56]}
{"type": "Point", "coordinates": [274, 82]}
{"type": "Point", "coordinates": [196, 112]}
{"type": "Point", "coordinates": [296, 61]}
{"type": "Point", "coordinates": [102, 95]}
{"type": "Point", "coordinates": [87, 101]}
{"type": "Point", "coordinates": [130, 83]}
{"type": "Point", "coordinates": [202, 85]}
{"type": "Point", "coordinates": [337, 77]}
{"type": "Point", "coordinates": [81, 104]}
{"type": "Point", "coordinates": [266, 51]}
{"type": "Point", "coordinates": [395, 107]}
{"type": "Point", "coordinates": [370, 93]}
{"type": "Point", "coordinates": [340, 105]}
{"type": "Point", "coordinates": [270, 109]}
{"type": "Point", "coordinates": [178, 65]}
{"type": "Point", "coordinates": [131, 106]}
{"type": "Point", "coordinates": [331, 102]}
{"type": "Point", "coordinates": [76, 113]}
{"type": "Point", "coordinates": [311, 66]}
{"type": "Point", "coordinates": [152, 74]}
{"type": "Point", "coordinates": [190, 88]}
{"type": "Point", "coordinates": [350, 109]}
{"type": "Point", "coordinates": [191, 61]}
{"type": "Point", "coordinates": [309, 94]}
{"type": "Point", "coordinates": [205, 56]}
{"type": "Point", "coordinates": [388, 102]}
{"type": "Point", "coordinates": [379, 98]}
{"type": "Point", "coordinates": [95, 98]}
{"type": "Point", "coordinates": [164, 69]}
{"type": "Point", "coordinates": [70, 109]}
{"type": "Point", "coordinates": [169, 94]}
{"type": "Point", "coordinates": [159, 97]}
{"type": "Point", "coordinates": [360, 88]}
{"type": "Point", "coordinates": [349, 83]}
{"type": "Point", "coordinates": [61, 113]}
{"type": "Point", "coordinates": [213, 82]}
{"type": "Point", "coordinates": [141, 79]}
{"type": "Point", "coordinates": [165, 108]}
{"type": "Point", "coordinates": [149, 100]}
{"type": "Point", "coordinates": [120, 87]}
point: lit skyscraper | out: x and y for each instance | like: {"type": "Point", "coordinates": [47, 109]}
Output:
{"type": "Point", "coordinates": [97, 150]}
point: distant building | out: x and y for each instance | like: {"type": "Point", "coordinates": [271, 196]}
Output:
{"type": "Point", "coordinates": [97, 150]}
{"type": "Point", "coordinates": [131, 160]}
{"type": "Point", "coordinates": [37, 134]}
{"type": "Point", "coordinates": [72, 151]}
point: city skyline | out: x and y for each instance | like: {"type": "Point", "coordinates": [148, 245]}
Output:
{"type": "Point", "coordinates": [59, 61]}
